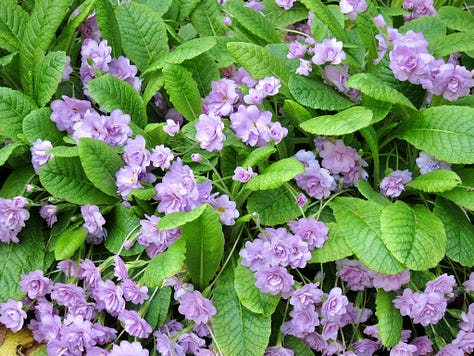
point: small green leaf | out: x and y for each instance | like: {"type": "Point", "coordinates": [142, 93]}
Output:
{"type": "Point", "coordinates": [16, 182]}
{"type": "Point", "coordinates": [6, 151]}
{"type": "Point", "coordinates": [158, 308]}
{"type": "Point", "coordinates": [314, 93]}
{"type": "Point", "coordinates": [166, 264]}
{"type": "Point", "coordinates": [177, 219]}
{"type": "Point", "coordinates": [344, 122]}
{"type": "Point", "coordinates": [205, 71]}
{"type": "Point", "coordinates": [112, 93]}
{"type": "Point", "coordinates": [64, 178]}
{"type": "Point", "coordinates": [325, 15]}
{"type": "Point", "coordinates": [455, 42]}
{"type": "Point", "coordinates": [183, 91]}
{"type": "Point", "coordinates": [143, 33]}
{"type": "Point", "coordinates": [436, 181]}
{"type": "Point", "coordinates": [159, 6]}
{"type": "Point", "coordinates": [413, 235]}
{"type": "Point", "coordinates": [390, 321]}
{"type": "Point", "coordinates": [282, 18]}
{"type": "Point", "coordinates": [463, 194]}
{"type": "Point", "coordinates": [47, 76]}
{"type": "Point", "coordinates": [367, 32]}
{"type": "Point", "coordinates": [298, 346]}
{"type": "Point", "coordinates": [13, 21]}
{"type": "Point", "coordinates": [276, 174]}
{"type": "Point", "coordinates": [100, 163]}
{"type": "Point", "coordinates": [250, 296]}
{"type": "Point", "coordinates": [456, 18]}
{"type": "Point", "coordinates": [64, 151]}
{"type": "Point", "coordinates": [377, 89]}
{"type": "Point", "coordinates": [185, 8]}
{"type": "Point", "coordinates": [204, 246]}
{"type": "Point", "coordinates": [154, 84]}
{"type": "Point", "coordinates": [108, 25]}
{"type": "Point", "coordinates": [14, 106]}
{"type": "Point", "coordinates": [38, 124]}
{"type": "Point", "coordinates": [258, 155]}
{"type": "Point", "coordinates": [368, 192]}
{"type": "Point", "coordinates": [237, 330]}
{"type": "Point", "coordinates": [335, 248]}
{"type": "Point", "coordinates": [431, 27]}
{"type": "Point", "coordinates": [445, 132]}
{"type": "Point", "coordinates": [207, 19]}
{"type": "Point", "coordinates": [142, 194]}
{"type": "Point", "coordinates": [68, 242]}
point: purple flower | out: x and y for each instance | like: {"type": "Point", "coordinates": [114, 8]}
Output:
{"type": "Point", "coordinates": [304, 68]}
{"type": "Point", "coordinates": [127, 179]}
{"type": "Point", "coordinates": [97, 53]}
{"type": "Point", "coordinates": [243, 175]}
{"type": "Point", "coordinates": [196, 308]}
{"type": "Point", "coordinates": [465, 341]}
{"type": "Point", "coordinates": [420, 8]}
{"type": "Point", "coordinates": [117, 128]}
{"type": "Point", "coordinates": [47, 328]}
{"type": "Point", "coordinates": [251, 125]}
{"type": "Point", "coordinates": [467, 323]}
{"type": "Point", "coordinates": [452, 81]}
{"type": "Point", "coordinates": [39, 157]}
{"type": "Point", "coordinates": [67, 112]}
{"type": "Point", "coordinates": [256, 255]}
{"type": "Point", "coordinates": [286, 4]}
{"type": "Point", "coordinates": [402, 349]}
{"type": "Point", "coordinates": [330, 329]}
{"type": "Point", "coordinates": [254, 96]}
{"type": "Point", "coordinates": [120, 269]}
{"type": "Point", "coordinates": [226, 209]}
{"type": "Point", "coordinates": [352, 7]}
{"type": "Point", "coordinates": [308, 295]}
{"type": "Point", "coordinates": [354, 273]}
{"type": "Point", "coordinates": [90, 28]}
{"type": "Point", "coordinates": [274, 280]}
{"type": "Point", "coordinates": [166, 347]}
{"type": "Point", "coordinates": [334, 307]}
{"type": "Point", "coordinates": [303, 322]}
{"type": "Point", "coordinates": [92, 126]}
{"type": "Point", "coordinates": [469, 284]}
{"type": "Point", "coordinates": [315, 341]}
{"type": "Point", "coordinates": [389, 282]}
{"type": "Point", "coordinates": [296, 50]}
{"type": "Point", "coordinates": [171, 127]}
{"type": "Point", "coordinates": [222, 98]}
{"type": "Point", "coordinates": [255, 5]}
{"type": "Point", "coordinates": [366, 347]}
{"type": "Point", "coordinates": [242, 77]}
{"type": "Point", "coordinates": [67, 294]}
{"type": "Point", "coordinates": [133, 324]}
{"type": "Point", "coordinates": [75, 337]}
{"type": "Point", "coordinates": [278, 351]}
{"type": "Point", "coordinates": [48, 212]}
{"type": "Point", "coordinates": [428, 163]}
{"type": "Point", "coordinates": [12, 315]}
{"type": "Point", "coordinates": [67, 70]}
{"type": "Point", "coordinates": [423, 308]}
{"type": "Point", "coordinates": [314, 233]}
{"type": "Point", "coordinates": [109, 297]}
{"type": "Point", "coordinates": [122, 69]}
{"type": "Point", "coordinates": [210, 132]}
{"type": "Point", "coordinates": [269, 86]}
{"type": "Point", "coordinates": [103, 334]}
{"type": "Point", "coordinates": [12, 218]}
{"type": "Point", "coordinates": [316, 182]}
{"type": "Point", "coordinates": [191, 343]}
{"type": "Point", "coordinates": [408, 63]}
{"type": "Point", "coordinates": [328, 51]}
{"type": "Point", "coordinates": [136, 154]}
{"type": "Point", "coordinates": [451, 350]}
{"type": "Point", "coordinates": [394, 184]}
{"type": "Point", "coordinates": [35, 284]}
{"type": "Point", "coordinates": [423, 345]}
{"type": "Point", "coordinates": [301, 200]}
{"type": "Point", "coordinates": [69, 268]}
{"type": "Point", "coordinates": [277, 132]}
{"type": "Point", "coordinates": [133, 293]}
{"type": "Point", "coordinates": [443, 285]}
{"type": "Point", "coordinates": [161, 157]}
{"type": "Point", "coordinates": [93, 219]}
{"type": "Point", "coordinates": [337, 157]}
{"type": "Point", "coordinates": [155, 240]}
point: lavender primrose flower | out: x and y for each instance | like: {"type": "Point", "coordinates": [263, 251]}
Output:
{"type": "Point", "coordinates": [389, 282]}
{"type": "Point", "coordinates": [196, 308]}
{"type": "Point", "coordinates": [242, 77]}
{"type": "Point", "coordinates": [251, 125]}
{"type": "Point", "coordinates": [285, 4]}
{"type": "Point", "coordinates": [354, 273]}
{"type": "Point", "coordinates": [35, 284]}
{"type": "Point", "coordinates": [243, 175]}
{"type": "Point", "coordinates": [161, 157]}
{"type": "Point", "coordinates": [48, 213]}
{"type": "Point", "coordinates": [304, 68]}
{"type": "Point", "coordinates": [117, 128]}
{"type": "Point", "coordinates": [135, 153]}
{"type": "Point", "coordinates": [420, 8]}
{"type": "Point", "coordinates": [423, 345]}
{"type": "Point", "coordinates": [256, 255]}
{"type": "Point", "coordinates": [127, 179]}
{"type": "Point", "coordinates": [278, 351]}
{"type": "Point", "coordinates": [226, 209]}
{"type": "Point", "coordinates": [423, 308]}
{"type": "Point", "coordinates": [67, 70]}
{"type": "Point", "coordinates": [394, 184]}
{"type": "Point", "coordinates": [93, 220]}
{"type": "Point", "coordinates": [12, 315]}
{"type": "Point", "coordinates": [329, 50]}
{"type": "Point", "coordinates": [428, 163]}
{"type": "Point", "coordinates": [12, 218]}
{"type": "Point", "coordinates": [154, 240]}
{"type": "Point", "coordinates": [316, 182]}
{"type": "Point", "coordinates": [222, 98]}
{"type": "Point", "coordinates": [171, 127]}
{"type": "Point", "coordinates": [210, 132]}
{"type": "Point", "coordinates": [97, 53]}
{"type": "Point", "coordinates": [352, 7]}
{"type": "Point", "coordinates": [133, 293]}
{"type": "Point", "coordinates": [452, 81]}
{"type": "Point", "coordinates": [67, 294]}
{"type": "Point", "coordinates": [296, 50]}
{"type": "Point", "coordinates": [109, 297]}
{"type": "Point", "coordinates": [38, 150]}
{"type": "Point", "coordinates": [301, 200]}
{"type": "Point", "coordinates": [403, 349]}
{"type": "Point", "coordinates": [68, 111]}
{"type": "Point", "coordinates": [92, 125]}
{"type": "Point", "coordinates": [191, 343]}
{"type": "Point", "coordinates": [334, 307]}
{"type": "Point", "coordinates": [274, 280]}
{"type": "Point", "coordinates": [90, 28]}
{"type": "Point", "coordinates": [133, 324]}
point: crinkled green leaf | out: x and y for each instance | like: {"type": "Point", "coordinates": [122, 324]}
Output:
{"type": "Point", "coordinates": [436, 182]}
{"type": "Point", "coordinates": [456, 18]}
{"type": "Point", "coordinates": [207, 19]}
{"type": "Point", "coordinates": [185, 8]}
{"type": "Point", "coordinates": [205, 71]}
{"type": "Point", "coordinates": [64, 178]}
{"type": "Point", "coordinates": [38, 124]}
{"type": "Point", "coordinates": [359, 222]}
{"type": "Point", "coordinates": [165, 264]}
{"type": "Point", "coordinates": [112, 93]}
{"type": "Point", "coordinates": [48, 73]}
{"type": "Point", "coordinates": [275, 206]}
{"type": "Point", "coordinates": [154, 84]}
{"type": "Point", "coordinates": [367, 32]}
{"type": "Point", "coordinates": [142, 194]}
{"type": "Point", "coordinates": [16, 182]}
{"type": "Point", "coordinates": [459, 232]}
{"type": "Point", "coordinates": [296, 113]}
{"type": "Point", "coordinates": [108, 25]}
{"type": "Point", "coordinates": [314, 93]}
{"type": "Point", "coordinates": [325, 15]}
{"type": "Point", "coordinates": [159, 6]}
{"type": "Point", "coordinates": [39, 33]}
{"type": "Point", "coordinates": [13, 21]}
{"type": "Point", "coordinates": [463, 194]}
{"type": "Point", "coordinates": [390, 321]}
{"type": "Point", "coordinates": [6, 60]}
{"type": "Point", "coordinates": [158, 309]}
{"type": "Point", "coordinates": [455, 42]}
{"type": "Point", "coordinates": [24, 257]}
{"type": "Point", "coordinates": [177, 219]}
{"type": "Point", "coordinates": [257, 155]}
{"type": "Point", "coordinates": [431, 27]}
{"type": "Point", "coordinates": [282, 18]}
{"type": "Point", "coordinates": [6, 151]}
{"type": "Point", "coordinates": [335, 248]}
{"type": "Point", "coordinates": [69, 241]}
{"type": "Point", "coordinates": [100, 162]}
{"type": "Point", "coordinates": [380, 109]}
{"type": "Point", "coordinates": [250, 296]}
{"type": "Point", "coordinates": [204, 246]}
{"type": "Point", "coordinates": [368, 192]}
{"type": "Point", "coordinates": [276, 174]}
{"type": "Point", "coordinates": [183, 91]}
{"type": "Point", "coordinates": [237, 330]}
{"type": "Point", "coordinates": [377, 89]}
{"type": "Point", "coordinates": [413, 235]}
{"type": "Point", "coordinates": [64, 151]}
{"type": "Point", "coordinates": [143, 33]}
{"type": "Point", "coordinates": [344, 122]}
{"type": "Point", "coordinates": [298, 346]}
{"type": "Point", "coordinates": [14, 106]}
{"type": "Point", "coordinates": [446, 132]}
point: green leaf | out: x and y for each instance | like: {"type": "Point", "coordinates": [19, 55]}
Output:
{"type": "Point", "coordinates": [367, 32]}
{"type": "Point", "coordinates": [16, 182]}
{"type": "Point", "coordinates": [413, 235]}
{"type": "Point", "coordinates": [298, 346]}
{"type": "Point", "coordinates": [436, 181]}
{"type": "Point", "coordinates": [276, 174]}
{"type": "Point", "coordinates": [253, 21]}
{"type": "Point", "coordinates": [335, 248]}
{"type": "Point", "coordinates": [446, 132]}
{"type": "Point", "coordinates": [112, 93]}
{"type": "Point", "coordinates": [431, 27]}
{"type": "Point", "coordinates": [122, 225]}
{"type": "Point", "coordinates": [464, 193]}
{"type": "Point", "coordinates": [6, 60]}
{"type": "Point", "coordinates": [258, 155]}
{"type": "Point", "coordinates": [24, 257]}
{"type": "Point", "coordinates": [158, 308]}
{"type": "Point", "coordinates": [377, 89]}
{"type": "Point", "coordinates": [154, 84]}
{"type": "Point", "coordinates": [379, 109]}
{"type": "Point", "coordinates": [276, 206]}
{"type": "Point", "coordinates": [14, 106]}
{"type": "Point", "coordinates": [142, 194]}
{"type": "Point", "coordinates": [459, 232]}
{"type": "Point", "coordinates": [177, 219]}
{"type": "Point", "coordinates": [64, 178]}
{"type": "Point", "coordinates": [64, 151]}
{"type": "Point", "coordinates": [456, 18]}
{"type": "Point", "coordinates": [314, 93]}
{"type": "Point", "coordinates": [185, 8]}
{"type": "Point", "coordinates": [204, 246]}
{"type": "Point", "coordinates": [108, 25]}
{"type": "Point", "coordinates": [183, 91]}
{"type": "Point", "coordinates": [250, 296]}
{"type": "Point", "coordinates": [13, 21]}
{"type": "Point", "coordinates": [205, 71]}
{"type": "Point", "coordinates": [390, 321]}
{"type": "Point", "coordinates": [100, 163]}
{"type": "Point", "coordinates": [344, 122]}
{"type": "Point", "coordinates": [143, 33]}
{"type": "Point", "coordinates": [368, 192]}
{"type": "Point", "coordinates": [237, 330]}
{"type": "Point", "coordinates": [69, 241]}
{"type": "Point", "coordinates": [455, 42]}
{"type": "Point", "coordinates": [6, 151]}
{"type": "Point", "coordinates": [325, 15]}
{"type": "Point", "coordinates": [47, 76]}
{"type": "Point", "coordinates": [159, 6]}
{"type": "Point", "coordinates": [207, 19]}
{"type": "Point", "coordinates": [166, 264]}
{"type": "Point", "coordinates": [359, 222]}
{"type": "Point", "coordinates": [260, 62]}
{"type": "Point", "coordinates": [281, 18]}
{"type": "Point", "coordinates": [38, 124]}
{"type": "Point", "coordinates": [296, 112]}
{"type": "Point", "coordinates": [40, 31]}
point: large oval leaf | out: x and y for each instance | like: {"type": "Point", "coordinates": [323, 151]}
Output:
{"type": "Point", "coordinates": [436, 182]}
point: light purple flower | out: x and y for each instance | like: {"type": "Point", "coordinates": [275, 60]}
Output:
{"type": "Point", "coordinates": [109, 297]}
{"type": "Point", "coordinates": [329, 50]}
{"type": "Point", "coordinates": [68, 111]}
{"type": "Point", "coordinates": [308, 295]}
{"type": "Point", "coordinates": [256, 255]}
{"type": "Point", "coordinates": [69, 268]}
{"type": "Point", "coordinates": [191, 343]}
{"type": "Point", "coordinates": [451, 350]}
{"type": "Point", "coordinates": [452, 81]}
{"type": "Point", "coordinates": [39, 157]}
{"type": "Point", "coordinates": [12, 218]}
{"type": "Point", "coordinates": [443, 284]}
{"type": "Point", "coordinates": [255, 5]}
{"type": "Point", "coordinates": [35, 284]}
{"type": "Point", "coordinates": [428, 163]}
{"type": "Point", "coordinates": [314, 233]}
{"type": "Point", "coordinates": [423, 308]}
{"type": "Point", "coordinates": [155, 240]}
{"type": "Point", "coordinates": [303, 321]}
{"type": "Point", "coordinates": [268, 85]}
{"type": "Point", "coordinates": [171, 127]}
{"type": "Point", "coordinates": [366, 347]}
{"type": "Point", "coordinates": [120, 269]}
{"type": "Point", "coordinates": [304, 68]}
{"type": "Point", "coordinates": [127, 348]}
{"type": "Point", "coordinates": [243, 175]}
{"type": "Point", "coordinates": [334, 307]}
{"type": "Point", "coordinates": [242, 77]}
{"type": "Point", "coordinates": [92, 126]}
{"type": "Point", "coordinates": [226, 209]}
{"type": "Point", "coordinates": [133, 324]}
{"type": "Point", "coordinates": [469, 284]}
{"type": "Point", "coordinates": [337, 157]}
{"type": "Point", "coordinates": [316, 182]}
{"type": "Point", "coordinates": [103, 334]}
{"type": "Point", "coordinates": [12, 315]}
{"type": "Point", "coordinates": [403, 349]}
{"type": "Point", "coordinates": [274, 280]}
{"type": "Point", "coordinates": [196, 308]}
{"type": "Point", "coordinates": [133, 293]}
{"type": "Point", "coordinates": [394, 184]}
{"type": "Point", "coordinates": [97, 53]}
{"type": "Point", "coordinates": [354, 273]}
{"type": "Point", "coordinates": [67, 294]}
{"type": "Point", "coordinates": [210, 132]}
{"type": "Point", "coordinates": [252, 125]}
{"type": "Point", "coordinates": [67, 70]}
{"type": "Point", "coordinates": [389, 282]}
{"type": "Point", "coordinates": [296, 50]}
{"type": "Point", "coordinates": [301, 200]}
{"type": "Point", "coordinates": [420, 8]}
{"type": "Point", "coordinates": [117, 128]}
{"type": "Point", "coordinates": [286, 4]}
{"type": "Point", "coordinates": [352, 7]}
{"type": "Point", "coordinates": [48, 212]}
{"type": "Point", "coordinates": [423, 345]}
{"type": "Point", "coordinates": [222, 98]}
{"type": "Point", "coordinates": [465, 341]}
{"type": "Point", "coordinates": [90, 28]}
{"type": "Point", "coordinates": [161, 157]}
{"type": "Point", "coordinates": [255, 96]}
{"type": "Point", "coordinates": [330, 329]}
{"type": "Point", "coordinates": [127, 179]}
{"type": "Point", "coordinates": [136, 154]}
{"type": "Point", "coordinates": [93, 219]}
{"type": "Point", "coordinates": [165, 346]}
{"type": "Point", "coordinates": [121, 68]}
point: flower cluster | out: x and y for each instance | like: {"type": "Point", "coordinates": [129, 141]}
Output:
{"type": "Point", "coordinates": [419, 8]}
{"type": "Point", "coordinates": [12, 218]}
{"type": "Point", "coordinates": [394, 184]}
